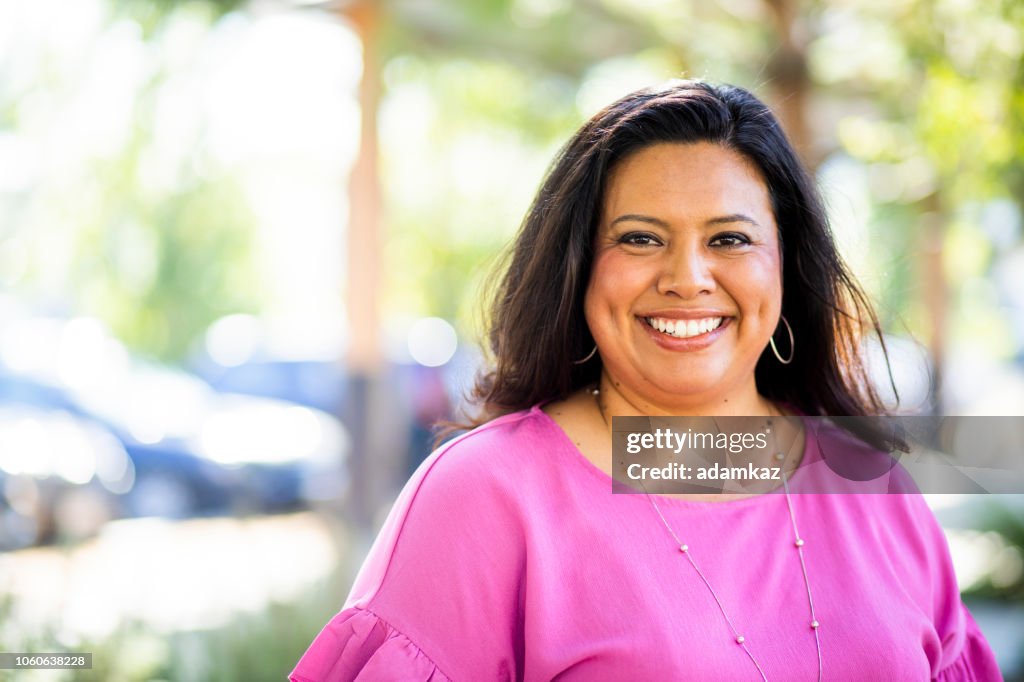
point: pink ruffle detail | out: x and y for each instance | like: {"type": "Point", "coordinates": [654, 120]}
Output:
{"type": "Point", "coordinates": [976, 662]}
{"type": "Point", "coordinates": [357, 645]}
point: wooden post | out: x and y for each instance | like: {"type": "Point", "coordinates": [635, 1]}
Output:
{"type": "Point", "coordinates": [367, 411]}
{"type": "Point", "coordinates": [365, 228]}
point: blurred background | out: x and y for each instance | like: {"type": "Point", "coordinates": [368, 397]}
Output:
{"type": "Point", "coordinates": [242, 245]}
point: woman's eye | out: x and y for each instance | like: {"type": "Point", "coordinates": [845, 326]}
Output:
{"type": "Point", "coordinates": [730, 239]}
{"type": "Point", "coordinates": [638, 239]}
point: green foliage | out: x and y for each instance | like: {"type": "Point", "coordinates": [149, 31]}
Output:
{"type": "Point", "coordinates": [154, 237]}
{"type": "Point", "coordinates": [195, 244]}
{"type": "Point", "coordinates": [151, 14]}
{"type": "Point", "coordinates": [1006, 582]}
{"type": "Point", "coordinates": [451, 209]}
{"type": "Point", "coordinates": [251, 647]}
{"type": "Point", "coordinates": [497, 85]}
{"type": "Point", "coordinates": [555, 37]}
{"type": "Point", "coordinates": [160, 264]}
{"type": "Point", "coordinates": [932, 93]}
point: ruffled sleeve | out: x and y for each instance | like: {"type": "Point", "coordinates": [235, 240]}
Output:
{"type": "Point", "coordinates": [958, 650]}
{"type": "Point", "coordinates": [975, 662]}
{"type": "Point", "coordinates": [358, 645]}
{"type": "Point", "coordinates": [440, 588]}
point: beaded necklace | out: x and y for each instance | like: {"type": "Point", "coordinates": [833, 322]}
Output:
{"type": "Point", "coordinates": [798, 543]}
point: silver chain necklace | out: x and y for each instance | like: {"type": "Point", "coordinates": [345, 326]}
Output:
{"type": "Point", "coordinates": [798, 543]}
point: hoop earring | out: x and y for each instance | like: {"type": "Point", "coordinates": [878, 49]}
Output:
{"type": "Point", "coordinates": [792, 345]}
{"type": "Point", "coordinates": [590, 355]}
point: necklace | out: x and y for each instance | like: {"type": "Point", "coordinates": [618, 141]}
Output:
{"type": "Point", "coordinates": [798, 543]}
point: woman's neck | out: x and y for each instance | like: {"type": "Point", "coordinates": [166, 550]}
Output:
{"type": "Point", "coordinates": [619, 401]}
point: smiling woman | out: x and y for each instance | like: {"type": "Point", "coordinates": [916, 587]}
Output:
{"type": "Point", "coordinates": [676, 261]}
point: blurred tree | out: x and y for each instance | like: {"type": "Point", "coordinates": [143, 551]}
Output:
{"type": "Point", "coordinates": [933, 109]}
{"type": "Point", "coordinates": [150, 234]}
{"type": "Point", "coordinates": [151, 14]}
{"type": "Point", "coordinates": [1006, 581]}
{"type": "Point", "coordinates": [160, 267]}
{"type": "Point", "coordinates": [788, 74]}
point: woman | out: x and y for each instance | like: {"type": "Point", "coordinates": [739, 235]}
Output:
{"type": "Point", "coordinates": [676, 261]}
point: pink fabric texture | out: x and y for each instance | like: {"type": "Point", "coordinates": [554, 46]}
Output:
{"type": "Point", "coordinates": [507, 557]}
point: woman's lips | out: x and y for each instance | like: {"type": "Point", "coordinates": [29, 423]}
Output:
{"type": "Point", "coordinates": [691, 343]}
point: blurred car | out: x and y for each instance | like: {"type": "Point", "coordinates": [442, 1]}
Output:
{"type": "Point", "coordinates": [320, 384]}
{"type": "Point", "coordinates": [200, 451]}
{"type": "Point", "coordinates": [420, 393]}
{"type": "Point", "coordinates": [61, 476]}
{"type": "Point", "coordinates": [192, 450]}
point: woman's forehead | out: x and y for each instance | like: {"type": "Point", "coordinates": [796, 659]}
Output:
{"type": "Point", "coordinates": [686, 181]}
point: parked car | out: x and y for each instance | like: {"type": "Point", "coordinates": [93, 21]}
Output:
{"type": "Point", "coordinates": [320, 384]}
{"type": "Point", "coordinates": [201, 451]}
{"type": "Point", "coordinates": [61, 477]}
{"type": "Point", "coordinates": [191, 449]}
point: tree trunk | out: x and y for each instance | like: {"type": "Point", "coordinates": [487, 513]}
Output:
{"type": "Point", "coordinates": [936, 292]}
{"type": "Point", "coordinates": [789, 80]}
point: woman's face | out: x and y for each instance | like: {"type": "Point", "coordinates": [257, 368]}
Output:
{"type": "Point", "coordinates": [686, 285]}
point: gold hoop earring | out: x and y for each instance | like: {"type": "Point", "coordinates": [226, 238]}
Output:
{"type": "Point", "coordinates": [792, 345]}
{"type": "Point", "coordinates": [590, 355]}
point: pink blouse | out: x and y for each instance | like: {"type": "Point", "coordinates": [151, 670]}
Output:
{"type": "Point", "coordinates": [507, 557]}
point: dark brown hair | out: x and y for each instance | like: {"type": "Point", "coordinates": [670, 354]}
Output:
{"type": "Point", "coordinates": [537, 327]}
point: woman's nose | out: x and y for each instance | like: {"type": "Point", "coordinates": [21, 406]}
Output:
{"type": "Point", "coordinates": [687, 273]}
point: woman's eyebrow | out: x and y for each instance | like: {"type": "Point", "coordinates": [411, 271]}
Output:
{"type": "Point", "coordinates": [733, 218]}
{"type": "Point", "coordinates": [717, 220]}
{"type": "Point", "coordinates": [640, 219]}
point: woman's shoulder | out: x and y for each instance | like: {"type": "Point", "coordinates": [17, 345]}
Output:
{"type": "Point", "coordinates": [447, 564]}
{"type": "Point", "coordinates": [468, 491]}
{"type": "Point", "coordinates": [510, 446]}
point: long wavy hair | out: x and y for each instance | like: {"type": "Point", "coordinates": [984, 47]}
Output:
{"type": "Point", "coordinates": [537, 328]}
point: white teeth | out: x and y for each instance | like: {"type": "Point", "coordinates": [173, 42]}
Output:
{"type": "Point", "coordinates": [683, 329]}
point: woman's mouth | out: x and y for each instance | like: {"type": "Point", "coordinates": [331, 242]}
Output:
{"type": "Point", "coordinates": [683, 329]}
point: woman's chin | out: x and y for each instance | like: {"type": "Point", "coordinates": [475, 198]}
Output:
{"type": "Point", "coordinates": [687, 393]}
